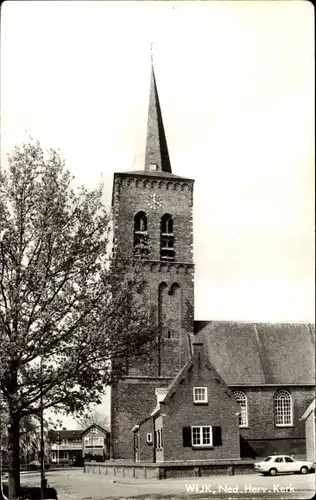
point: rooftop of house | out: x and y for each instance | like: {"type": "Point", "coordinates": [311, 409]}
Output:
{"type": "Point", "coordinates": [68, 433]}
{"type": "Point", "coordinates": [84, 431]}
{"type": "Point", "coordinates": [199, 352]}
{"type": "Point", "coordinates": [77, 433]}
{"type": "Point", "coordinates": [309, 410]}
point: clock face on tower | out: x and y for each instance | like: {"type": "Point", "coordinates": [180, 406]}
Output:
{"type": "Point", "coordinates": [154, 201]}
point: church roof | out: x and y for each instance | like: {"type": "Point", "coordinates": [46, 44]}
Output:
{"type": "Point", "coordinates": [260, 353]}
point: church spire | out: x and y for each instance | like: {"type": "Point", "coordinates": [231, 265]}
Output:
{"type": "Point", "coordinates": [157, 156]}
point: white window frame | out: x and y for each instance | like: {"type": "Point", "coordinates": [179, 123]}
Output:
{"type": "Point", "coordinates": [243, 403]}
{"type": "Point", "coordinates": [197, 430]}
{"type": "Point", "coordinates": [283, 411]}
{"type": "Point", "coordinates": [94, 430]}
{"type": "Point", "coordinates": [197, 393]}
{"type": "Point", "coordinates": [90, 442]}
{"type": "Point", "coordinates": [149, 437]}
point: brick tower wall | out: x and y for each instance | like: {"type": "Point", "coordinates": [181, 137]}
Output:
{"type": "Point", "coordinates": [169, 290]}
{"type": "Point", "coordinates": [132, 400]}
{"type": "Point", "coordinates": [132, 194]}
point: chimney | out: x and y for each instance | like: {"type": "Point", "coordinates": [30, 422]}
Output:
{"type": "Point", "coordinates": [198, 350]}
{"type": "Point", "coordinates": [161, 393]}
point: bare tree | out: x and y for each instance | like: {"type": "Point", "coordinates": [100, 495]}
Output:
{"type": "Point", "coordinates": [93, 417]}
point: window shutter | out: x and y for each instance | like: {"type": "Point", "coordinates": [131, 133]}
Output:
{"type": "Point", "coordinates": [217, 436]}
{"type": "Point", "coordinates": [186, 434]}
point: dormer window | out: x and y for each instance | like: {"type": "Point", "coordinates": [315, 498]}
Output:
{"type": "Point", "coordinates": [166, 238]}
{"type": "Point", "coordinates": [140, 234]}
{"type": "Point", "coordinates": [153, 167]}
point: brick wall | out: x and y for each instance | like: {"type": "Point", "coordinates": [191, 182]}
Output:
{"type": "Point", "coordinates": [131, 195]}
{"type": "Point", "coordinates": [262, 434]}
{"type": "Point", "coordinates": [181, 412]}
{"type": "Point", "coordinates": [146, 450]}
{"type": "Point", "coordinates": [133, 401]}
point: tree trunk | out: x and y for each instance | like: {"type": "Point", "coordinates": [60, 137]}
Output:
{"type": "Point", "coordinates": [14, 455]}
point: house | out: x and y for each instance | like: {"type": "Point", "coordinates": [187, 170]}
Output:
{"type": "Point", "coordinates": [73, 446]}
{"type": "Point", "coordinates": [66, 447]}
{"type": "Point", "coordinates": [196, 418]}
{"type": "Point", "coordinates": [95, 443]}
{"type": "Point", "coordinates": [309, 416]}
{"type": "Point", "coordinates": [269, 367]}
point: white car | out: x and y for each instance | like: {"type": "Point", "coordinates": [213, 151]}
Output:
{"type": "Point", "coordinates": [283, 463]}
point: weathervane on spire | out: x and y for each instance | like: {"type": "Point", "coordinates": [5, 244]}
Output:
{"type": "Point", "coordinates": [151, 53]}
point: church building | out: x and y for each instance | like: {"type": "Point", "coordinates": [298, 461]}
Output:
{"type": "Point", "coordinates": [269, 368]}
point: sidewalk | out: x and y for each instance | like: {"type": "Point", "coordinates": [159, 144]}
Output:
{"type": "Point", "coordinates": [5, 475]}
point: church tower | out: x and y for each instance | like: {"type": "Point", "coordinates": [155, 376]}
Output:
{"type": "Point", "coordinates": [153, 213]}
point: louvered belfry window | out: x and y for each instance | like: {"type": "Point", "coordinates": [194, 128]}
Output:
{"type": "Point", "coordinates": [166, 238]}
{"type": "Point", "coordinates": [140, 234]}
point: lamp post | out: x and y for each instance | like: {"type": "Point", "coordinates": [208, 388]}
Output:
{"type": "Point", "coordinates": [43, 479]}
{"type": "Point", "coordinates": [2, 495]}
{"type": "Point", "coordinates": [58, 448]}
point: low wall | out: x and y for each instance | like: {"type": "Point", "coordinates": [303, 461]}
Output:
{"type": "Point", "coordinates": [166, 470]}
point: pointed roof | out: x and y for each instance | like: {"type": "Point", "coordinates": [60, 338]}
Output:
{"type": "Point", "coordinates": [156, 144]}
{"type": "Point", "coordinates": [94, 425]}
{"type": "Point", "coordinates": [198, 354]}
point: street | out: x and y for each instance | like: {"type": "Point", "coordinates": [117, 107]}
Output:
{"type": "Point", "coordinates": [75, 485]}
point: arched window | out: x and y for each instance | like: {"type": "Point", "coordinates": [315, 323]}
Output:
{"type": "Point", "coordinates": [140, 222]}
{"type": "Point", "coordinates": [166, 238]}
{"type": "Point", "coordinates": [241, 399]}
{"type": "Point", "coordinates": [283, 408]}
{"type": "Point", "coordinates": [140, 234]}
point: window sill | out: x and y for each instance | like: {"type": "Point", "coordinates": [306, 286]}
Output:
{"type": "Point", "coordinates": [202, 447]}
{"type": "Point", "coordinates": [201, 403]}
{"type": "Point", "coordinates": [284, 425]}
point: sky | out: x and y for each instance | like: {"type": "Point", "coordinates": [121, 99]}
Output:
{"type": "Point", "coordinates": [236, 87]}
